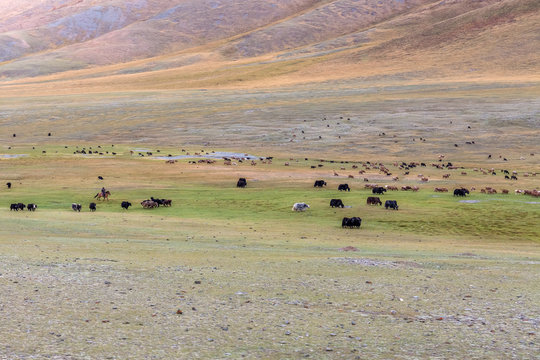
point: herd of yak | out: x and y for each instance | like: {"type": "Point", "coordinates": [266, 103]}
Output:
{"type": "Point", "coordinates": [346, 222]}
{"type": "Point", "coordinates": [353, 222]}
{"type": "Point", "coordinates": [147, 204]}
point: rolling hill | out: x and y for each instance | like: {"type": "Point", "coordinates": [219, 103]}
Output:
{"type": "Point", "coordinates": [155, 44]}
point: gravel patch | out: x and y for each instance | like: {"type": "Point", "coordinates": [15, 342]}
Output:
{"type": "Point", "coordinates": [378, 263]}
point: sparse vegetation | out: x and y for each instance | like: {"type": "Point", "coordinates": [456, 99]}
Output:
{"type": "Point", "coordinates": [250, 278]}
{"type": "Point", "coordinates": [338, 91]}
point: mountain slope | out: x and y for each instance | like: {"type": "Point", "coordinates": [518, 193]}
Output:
{"type": "Point", "coordinates": [205, 43]}
{"type": "Point", "coordinates": [89, 33]}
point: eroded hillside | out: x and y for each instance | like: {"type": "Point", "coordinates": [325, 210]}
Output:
{"type": "Point", "coordinates": [141, 44]}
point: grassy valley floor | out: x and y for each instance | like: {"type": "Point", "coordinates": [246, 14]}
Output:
{"type": "Point", "coordinates": [231, 273]}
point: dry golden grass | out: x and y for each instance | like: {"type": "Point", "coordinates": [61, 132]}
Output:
{"type": "Point", "coordinates": [484, 42]}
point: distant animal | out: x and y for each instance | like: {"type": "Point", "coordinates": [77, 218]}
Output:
{"type": "Point", "coordinates": [336, 203]}
{"type": "Point", "coordinates": [319, 183]}
{"type": "Point", "coordinates": [441, 189]}
{"type": "Point", "coordinates": [353, 222]}
{"type": "Point", "coordinates": [76, 207]}
{"type": "Point", "coordinates": [103, 195]}
{"type": "Point", "coordinates": [344, 187]}
{"type": "Point", "coordinates": [126, 204]}
{"type": "Point", "coordinates": [100, 177]}
{"type": "Point", "coordinates": [31, 207]}
{"type": "Point", "coordinates": [461, 192]}
{"type": "Point", "coordinates": [166, 202]}
{"type": "Point", "coordinates": [378, 190]}
{"type": "Point", "coordinates": [373, 200]}
{"type": "Point", "coordinates": [392, 204]}
{"type": "Point", "coordinates": [8, 184]}
{"type": "Point", "coordinates": [300, 207]}
{"type": "Point", "coordinates": [92, 207]}
{"type": "Point", "coordinates": [149, 204]}
{"type": "Point", "coordinates": [513, 177]}
{"type": "Point", "coordinates": [16, 207]}
{"type": "Point", "coordinates": [242, 183]}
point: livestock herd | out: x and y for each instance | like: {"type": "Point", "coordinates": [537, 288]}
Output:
{"type": "Point", "coordinates": [21, 206]}
{"type": "Point", "coordinates": [154, 203]}
{"type": "Point", "coordinates": [353, 222]}
{"type": "Point", "coordinates": [147, 204]}
{"type": "Point", "coordinates": [392, 204]}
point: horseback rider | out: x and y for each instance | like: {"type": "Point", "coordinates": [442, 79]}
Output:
{"type": "Point", "coordinates": [103, 191]}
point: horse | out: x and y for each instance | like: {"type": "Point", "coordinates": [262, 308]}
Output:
{"type": "Point", "coordinates": [103, 196]}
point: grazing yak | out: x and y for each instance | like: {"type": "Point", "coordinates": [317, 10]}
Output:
{"type": "Point", "coordinates": [392, 204]}
{"type": "Point", "coordinates": [353, 222]}
{"type": "Point", "coordinates": [17, 207]}
{"type": "Point", "coordinates": [300, 207]}
{"type": "Point", "coordinates": [76, 207]}
{"type": "Point", "coordinates": [373, 200]}
{"type": "Point", "coordinates": [126, 204]}
{"type": "Point", "coordinates": [461, 192]}
{"type": "Point", "coordinates": [242, 183]}
{"type": "Point", "coordinates": [336, 203]}
{"type": "Point", "coordinates": [344, 187]}
{"type": "Point", "coordinates": [8, 184]}
{"type": "Point", "coordinates": [92, 207]}
{"type": "Point", "coordinates": [149, 204]}
{"type": "Point", "coordinates": [166, 202]}
{"type": "Point", "coordinates": [378, 190]}
{"type": "Point", "coordinates": [161, 202]}
{"type": "Point", "coordinates": [31, 207]}
{"type": "Point", "coordinates": [319, 183]}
